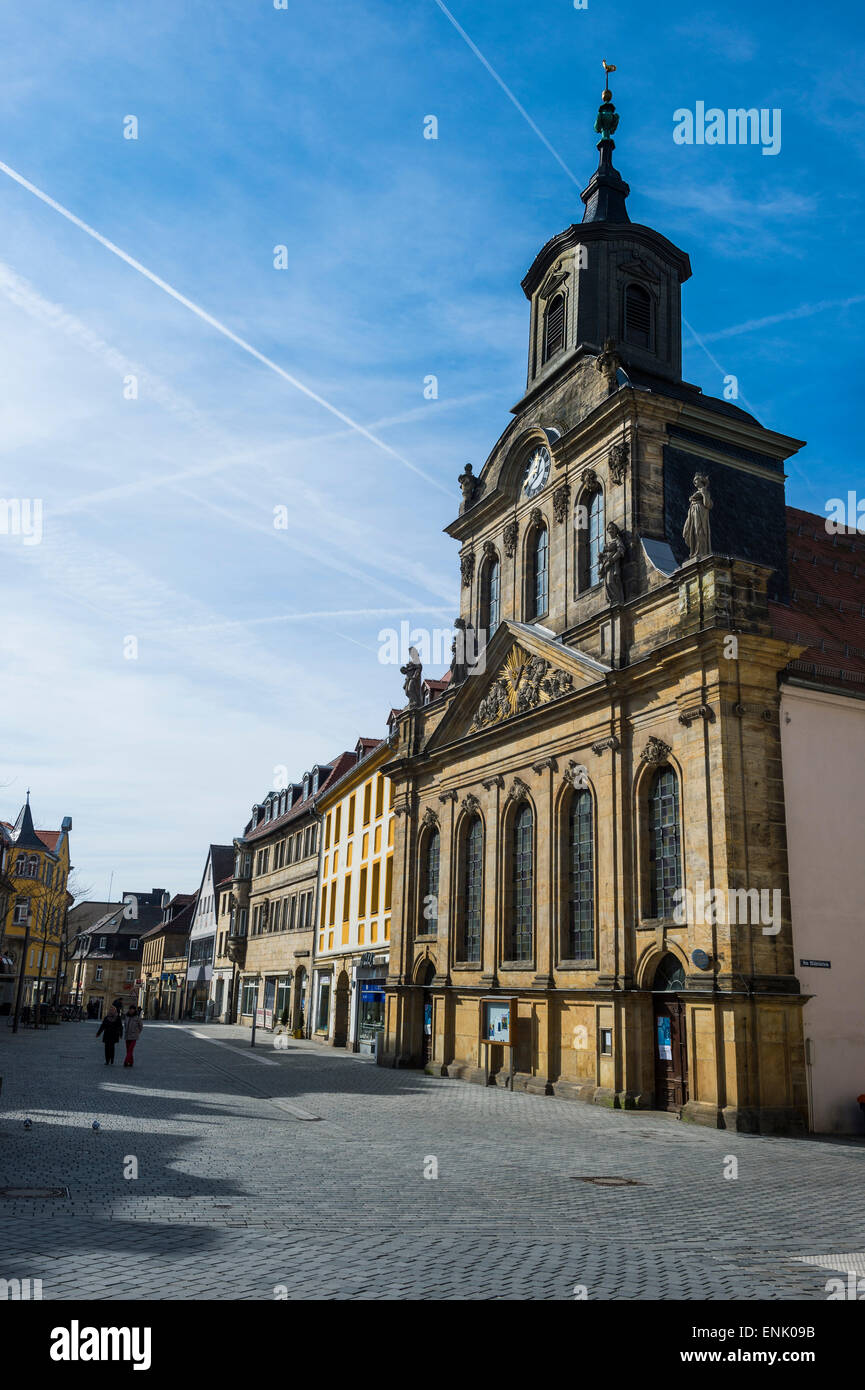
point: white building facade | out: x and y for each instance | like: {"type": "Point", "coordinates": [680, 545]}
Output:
{"type": "Point", "coordinates": [823, 752]}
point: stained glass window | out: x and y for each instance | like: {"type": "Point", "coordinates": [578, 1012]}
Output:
{"type": "Point", "coordinates": [581, 926]}
{"type": "Point", "coordinates": [664, 848]}
{"type": "Point", "coordinates": [430, 913]}
{"type": "Point", "coordinates": [521, 885]}
{"type": "Point", "coordinates": [473, 870]}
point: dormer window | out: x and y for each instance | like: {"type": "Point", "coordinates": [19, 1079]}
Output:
{"type": "Point", "coordinates": [305, 785]}
{"type": "Point", "coordinates": [267, 810]}
{"type": "Point", "coordinates": [255, 811]}
{"type": "Point", "coordinates": [638, 315]}
{"type": "Point", "coordinates": [554, 326]}
{"type": "Point", "coordinates": [315, 776]}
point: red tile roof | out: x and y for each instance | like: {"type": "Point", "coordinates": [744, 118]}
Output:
{"type": "Point", "coordinates": [338, 768]}
{"type": "Point", "coordinates": [826, 613]}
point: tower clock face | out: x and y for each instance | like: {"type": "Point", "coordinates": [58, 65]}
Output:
{"type": "Point", "coordinates": [537, 471]}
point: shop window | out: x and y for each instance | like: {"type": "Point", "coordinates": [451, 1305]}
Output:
{"type": "Point", "coordinates": [323, 1006]}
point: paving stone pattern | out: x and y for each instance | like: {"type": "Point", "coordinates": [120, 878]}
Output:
{"type": "Point", "coordinates": [238, 1197]}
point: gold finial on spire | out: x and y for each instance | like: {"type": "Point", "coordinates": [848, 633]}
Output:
{"type": "Point", "coordinates": [608, 68]}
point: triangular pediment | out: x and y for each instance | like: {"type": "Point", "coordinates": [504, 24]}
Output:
{"type": "Point", "coordinates": [523, 668]}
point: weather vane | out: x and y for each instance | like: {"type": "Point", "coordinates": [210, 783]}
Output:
{"type": "Point", "coordinates": [607, 118]}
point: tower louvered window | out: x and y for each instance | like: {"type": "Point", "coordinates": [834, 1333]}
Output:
{"type": "Point", "coordinates": [638, 315]}
{"type": "Point", "coordinates": [554, 326]}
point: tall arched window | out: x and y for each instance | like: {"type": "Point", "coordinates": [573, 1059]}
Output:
{"type": "Point", "coordinates": [581, 878]}
{"type": "Point", "coordinates": [472, 891]}
{"type": "Point", "coordinates": [522, 884]}
{"type": "Point", "coordinates": [590, 538]}
{"type": "Point", "coordinates": [665, 860]}
{"type": "Point", "coordinates": [554, 326]}
{"type": "Point", "coordinates": [638, 315]}
{"type": "Point", "coordinates": [491, 596]}
{"type": "Point", "coordinates": [430, 884]}
{"type": "Point", "coordinates": [539, 574]}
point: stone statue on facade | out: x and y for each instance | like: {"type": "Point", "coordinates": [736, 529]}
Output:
{"type": "Point", "coordinates": [412, 672]}
{"type": "Point", "coordinates": [468, 483]}
{"type": "Point", "coordinates": [610, 565]}
{"type": "Point", "coordinates": [459, 664]}
{"type": "Point", "coordinates": [608, 363]}
{"type": "Point", "coordinates": [696, 530]}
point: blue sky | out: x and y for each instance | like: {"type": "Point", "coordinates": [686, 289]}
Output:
{"type": "Point", "coordinates": [303, 127]}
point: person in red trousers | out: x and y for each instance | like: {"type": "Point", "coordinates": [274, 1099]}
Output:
{"type": "Point", "coordinates": [132, 1032]}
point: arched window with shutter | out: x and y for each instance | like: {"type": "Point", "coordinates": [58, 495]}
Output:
{"type": "Point", "coordinates": [638, 316]}
{"type": "Point", "coordinates": [554, 326]}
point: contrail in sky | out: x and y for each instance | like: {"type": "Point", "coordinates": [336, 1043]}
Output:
{"type": "Point", "coordinates": [220, 327]}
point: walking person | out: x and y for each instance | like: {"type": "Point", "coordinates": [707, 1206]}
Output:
{"type": "Point", "coordinates": [111, 1028]}
{"type": "Point", "coordinates": [132, 1032]}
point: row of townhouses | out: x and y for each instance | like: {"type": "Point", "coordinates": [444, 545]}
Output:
{"type": "Point", "coordinates": [289, 926]}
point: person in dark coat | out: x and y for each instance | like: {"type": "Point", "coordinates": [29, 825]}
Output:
{"type": "Point", "coordinates": [111, 1028]}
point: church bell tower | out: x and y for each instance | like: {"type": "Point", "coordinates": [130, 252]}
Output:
{"type": "Point", "coordinates": [605, 278]}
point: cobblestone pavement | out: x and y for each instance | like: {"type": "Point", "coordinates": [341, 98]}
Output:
{"type": "Point", "coordinates": [299, 1173]}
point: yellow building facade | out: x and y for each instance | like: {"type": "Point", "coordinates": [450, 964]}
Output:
{"type": "Point", "coordinates": [354, 903]}
{"type": "Point", "coordinates": [37, 902]}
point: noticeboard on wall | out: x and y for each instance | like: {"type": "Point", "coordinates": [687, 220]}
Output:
{"type": "Point", "coordinates": [496, 1021]}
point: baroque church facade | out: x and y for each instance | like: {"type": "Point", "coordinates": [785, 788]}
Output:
{"type": "Point", "coordinates": [574, 798]}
